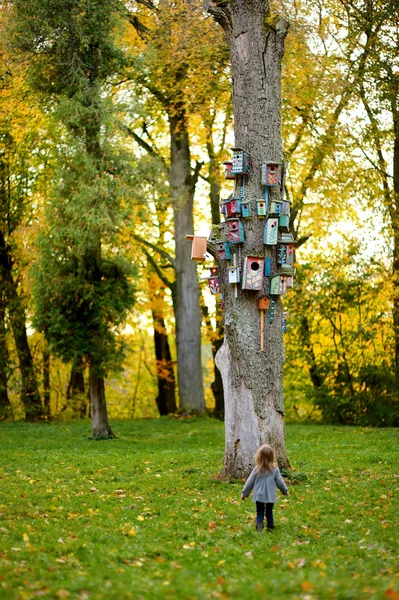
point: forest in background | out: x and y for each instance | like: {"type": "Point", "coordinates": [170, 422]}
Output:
{"type": "Point", "coordinates": [101, 306]}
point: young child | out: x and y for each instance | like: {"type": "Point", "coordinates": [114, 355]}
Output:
{"type": "Point", "coordinates": [263, 480]}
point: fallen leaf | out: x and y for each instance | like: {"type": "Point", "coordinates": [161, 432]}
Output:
{"type": "Point", "coordinates": [306, 586]}
{"type": "Point", "coordinates": [300, 562]}
{"type": "Point", "coordinates": [140, 518]}
{"type": "Point", "coordinates": [62, 594]}
{"type": "Point", "coordinates": [391, 594]}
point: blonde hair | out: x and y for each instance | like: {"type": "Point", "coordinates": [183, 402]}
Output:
{"type": "Point", "coordinates": [264, 458]}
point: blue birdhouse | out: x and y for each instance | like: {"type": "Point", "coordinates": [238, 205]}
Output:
{"type": "Point", "coordinates": [246, 210]}
{"type": "Point", "coordinates": [284, 222]}
{"type": "Point", "coordinates": [241, 162]}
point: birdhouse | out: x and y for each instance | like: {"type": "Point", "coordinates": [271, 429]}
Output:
{"type": "Point", "coordinates": [268, 266]}
{"type": "Point", "coordinates": [289, 282]}
{"type": "Point", "coordinates": [252, 276]}
{"type": "Point", "coordinates": [232, 207]}
{"type": "Point", "coordinates": [271, 174]}
{"type": "Point", "coordinates": [287, 238]}
{"type": "Point", "coordinates": [222, 208]}
{"type": "Point", "coordinates": [241, 162]}
{"type": "Point", "coordinates": [281, 254]}
{"type": "Point", "coordinates": [214, 285]}
{"type": "Point", "coordinates": [235, 231]}
{"type": "Point", "coordinates": [233, 274]}
{"type": "Point", "coordinates": [264, 303]}
{"type": "Point", "coordinates": [198, 248]}
{"type": "Point", "coordinates": [278, 285]}
{"type": "Point", "coordinates": [271, 230]}
{"type": "Point", "coordinates": [287, 270]}
{"type": "Point", "coordinates": [276, 208]}
{"type": "Point", "coordinates": [228, 170]}
{"type": "Point", "coordinates": [284, 222]}
{"type": "Point", "coordinates": [223, 250]}
{"type": "Point", "coordinates": [246, 210]}
{"type": "Point", "coordinates": [261, 208]}
{"type": "Point", "coordinates": [214, 271]}
{"type": "Point", "coordinates": [286, 208]}
{"type": "Point", "coordinates": [284, 323]}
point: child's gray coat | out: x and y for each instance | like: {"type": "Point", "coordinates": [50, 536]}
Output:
{"type": "Point", "coordinates": [264, 485]}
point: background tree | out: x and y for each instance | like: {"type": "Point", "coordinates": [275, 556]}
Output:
{"type": "Point", "coordinates": [180, 73]}
{"type": "Point", "coordinates": [82, 289]}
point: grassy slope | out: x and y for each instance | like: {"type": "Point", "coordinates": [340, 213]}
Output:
{"type": "Point", "coordinates": [141, 516]}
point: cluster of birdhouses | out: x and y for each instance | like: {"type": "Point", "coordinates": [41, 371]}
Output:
{"type": "Point", "coordinates": [270, 272]}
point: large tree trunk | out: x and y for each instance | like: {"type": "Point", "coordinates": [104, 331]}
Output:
{"type": "Point", "coordinates": [76, 391]}
{"type": "Point", "coordinates": [100, 426]}
{"type": "Point", "coordinates": [166, 399]}
{"type": "Point", "coordinates": [4, 400]}
{"type": "Point", "coordinates": [186, 302]}
{"type": "Point", "coordinates": [252, 380]}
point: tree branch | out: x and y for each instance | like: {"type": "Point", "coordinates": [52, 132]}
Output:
{"type": "Point", "coordinates": [155, 266]}
{"type": "Point", "coordinates": [156, 249]}
{"type": "Point", "coordinates": [146, 146]}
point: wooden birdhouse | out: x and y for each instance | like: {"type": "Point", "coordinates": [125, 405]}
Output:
{"type": "Point", "coordinates": [271, 174]}
{"type": "Point", "coordinates": [261, 208]}
{"type": "Point", "coordinates": [286, 208]}
{"type": "Point", "coordinates": [228, 170]}
{"type": "Point", "coordinates": [281, 254]}
{"type": "Point", "coordinates": [233, 208]}
{"type": "Point", "coordinates": [268, 266]}
{"type": "Point", "coordinates": [264, 303]}
{"type": "Point", "coordinates": [287, 270]}
{"type": "Point", "coordinates": [246, 210]}
{"type": "Point", "coordinates": [214, 271]}
{"type": "Point", "coordinates": [289, 282]}
{"type": "Point", "coordinates": [223, 250]}
{"type": "Point", "coordinates": [235, 231]}
{"type": "Point", "coordinates": [233, 274]}
{"type": "Point", "coordinates": [222, 208]}
{"type": "Point", "coordinates": [271, 230]}
{"type": "Point", "coordinates": [278, 285]}
{"type": "Point", "coordinates": [284, 222]}
{"type": "Point", "coordinates": [214, 285]}
{"type": "Point", "coordinates": [198, 248]}
{"type": "Point", "coordinates": [241, 162]}
{"type": "Point", "coordinates": [252, 276]}
{"type": "Point", "coordinates": [276, 208]}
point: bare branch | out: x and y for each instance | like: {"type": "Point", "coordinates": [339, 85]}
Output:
{"type": "Point", "coordinates": [161, 275]}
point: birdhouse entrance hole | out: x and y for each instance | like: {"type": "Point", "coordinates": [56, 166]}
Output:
{"type": "Point", "coordinates": [255, 266]}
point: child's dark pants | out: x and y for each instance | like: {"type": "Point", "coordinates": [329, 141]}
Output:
{"type": "Point", "coordinates": [261, 507]}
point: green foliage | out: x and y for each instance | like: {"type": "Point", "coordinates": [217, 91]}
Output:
{"type": "Point", "coordinates": [341, 334]}
{"type": "Point", "coordinates": [143, 515]}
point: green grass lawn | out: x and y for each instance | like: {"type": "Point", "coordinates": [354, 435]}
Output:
{"type": "Point", "coordinates": [142, 516]}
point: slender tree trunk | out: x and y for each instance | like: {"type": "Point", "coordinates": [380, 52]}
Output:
{"type": "Point", "coordinates": [395, 227]}
{"type": "Point", "coordinates": [100, 426]}
{"type": "Point", "coordinates": [30, 396]}
{"type": "Point", "coordinates": [46, 382]}
{"type": "Point", "coordinates": [315, 376]}
{"type": "Point", "coordinates": [4, 357]}
{"type": "Point", "coordinates": [186, 305]}
{"type": "Point", "coordinates": [166, 399]}
{"type": "Point", "coordinates": [252, 380]}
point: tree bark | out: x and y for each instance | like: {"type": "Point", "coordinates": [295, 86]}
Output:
{"type": "Point", "coordinates": [186, 305]}
{"type": "Point", "coordinates": [166, 399]}
{"type": "Point", "coordinates": [76, 391]}
{"type": "Point", "coordinates": [252, 380]}
{"type": "Point", "coordinates": [100, 427]}
{"type": "Point", "coordinates": [46, 382]}
{"type": "Point", "coordinates": [4, 357]}
{"type": "Point", "coordinates": [30, 396]}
